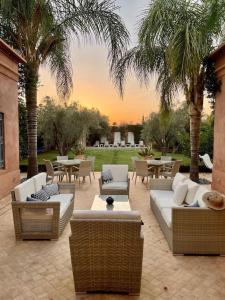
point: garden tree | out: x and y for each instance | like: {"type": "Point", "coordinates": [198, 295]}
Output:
{"type": "Point", "coordinates": [175, 38]}
{"type": "Point", "coordinates": [166, 130]}
{"type": "Point", "coordinates": [206, 136]}
{"type": "Point", "coordinates": [63, 126]}
{"type": "Point", "coordinates": [100, 127]}
{"type": "Point", "coordinates": [93, 123]}
{"type": "Point", "coordinates": [41, 31]}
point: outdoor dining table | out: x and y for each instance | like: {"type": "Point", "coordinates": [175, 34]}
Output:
{"type": "Point", "coordinates": [69, 164]}
{"type": "Point", "coordinates": [157, 164]}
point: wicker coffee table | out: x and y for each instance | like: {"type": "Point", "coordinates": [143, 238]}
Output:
{"type": "Point", "coordinates": [121, 203]}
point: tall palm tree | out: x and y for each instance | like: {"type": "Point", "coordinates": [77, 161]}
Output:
{"type": "Point", "coordinates": [41, 31]}
{"type": "Point", "coordinates": [174, 39]}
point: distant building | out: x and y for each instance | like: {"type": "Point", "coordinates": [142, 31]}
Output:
{"type": "Point", "coordinates": [9, 129]}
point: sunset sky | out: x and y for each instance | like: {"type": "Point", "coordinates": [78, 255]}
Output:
{"type": "Point", "coordinates": [92, 85]}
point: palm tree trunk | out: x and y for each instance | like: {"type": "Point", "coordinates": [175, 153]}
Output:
{"type": "Point", "coordinates": [195, 123]}
{"type": "Point", "coordinates": [31, 80]}
{"type": "Point", "coordinates": [195, 114]}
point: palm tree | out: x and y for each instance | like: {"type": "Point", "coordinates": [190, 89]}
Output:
{"type": "Point", "coordinates": [174, 39]}
{"type": "Point", "coordinates": [41, 30]}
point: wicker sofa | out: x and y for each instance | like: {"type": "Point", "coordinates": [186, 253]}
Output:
{"type": "Point", "coordinates": [188, 230]}
{"type": "Point", "coordinates": [106, 251]}
{"type": "Point", "coordinates": [41, 219]}
{"type": "Point", "coordinates": [120, 184]}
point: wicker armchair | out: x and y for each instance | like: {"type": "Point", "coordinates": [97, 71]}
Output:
{"type": "Point", "coordinates": [41, 219]}
{"type": "Point", "coordinates": [120, 184]}
{"type": "Point", "coordinates": [106, 251]}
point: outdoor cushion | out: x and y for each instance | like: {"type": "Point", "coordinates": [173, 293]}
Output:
{"type": "Point", "coordinates": [46, 213]}
{"type": "Point", "coordinates": [108, 215]}
{"type": "Point", "coordinates": [106, 176]}
{"type": "Point", "coordinates": [118, 185]}
{"type": "Point", "coordinates": [24, 189]}
{"type": "Point", "coordinates": [119, 172]}
{"type": "Point", "coordinates": [180, 193]}
{"type": "Point", "coordinates": [51, 189]}
{"type": "Point", "coordinates": [177, 179]}
{"type": "Point", "coordinates": [64, 199]}
{"type": "Point", "coordinates": [199, 195]}
{"type": "Point", "coordinates": [41, 195]}
{"type": "Point", "coordinates": [163, 198]}
{"type": "Point", "coordinates": [192, 189]}
{"type": "Point", "coordinates": [167, 216]}
{"type": "Point", "coordinates": [39, 181]}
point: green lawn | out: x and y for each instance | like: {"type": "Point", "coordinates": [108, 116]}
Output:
{"type": "Point", "coordinates": [110, 156]}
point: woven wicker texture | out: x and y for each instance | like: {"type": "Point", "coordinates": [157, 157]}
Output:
{"type": "Point", "coordinates": [106, 255]}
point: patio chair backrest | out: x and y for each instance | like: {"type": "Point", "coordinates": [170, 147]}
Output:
{"type": "Point", "coordinates": [168, 158]}
{"type": "Point", "coordinates": [92, 159]}
{"type": "Point", "coordinates": [80, 156]}
{"type": "Point", "coordinates": [176, 167]}
{"type": "Point", "coordinates": [133, 159]}
{"type": "Point", "coordinates": [85, 168]}
{"type": "Point", "coordinates": [207, 161]}
{"type": "Point", "coordinates": [65, 157]}
{"type": "Point", "coordinates": [141, 167]}
{"type": "Point", "coordinates": [49, 167]}
{"type": "Point", "coordinates": [119, 172]}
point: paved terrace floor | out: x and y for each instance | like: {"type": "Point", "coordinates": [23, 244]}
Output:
{"type": "Point", "coordinates": [42, 269]}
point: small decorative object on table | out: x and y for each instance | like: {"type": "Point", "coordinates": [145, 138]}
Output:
{"type": "Point", "coordinates": [109, 200]}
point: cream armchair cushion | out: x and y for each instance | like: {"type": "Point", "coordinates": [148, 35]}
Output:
{"type": "Point", "coordinates": [119, 172]}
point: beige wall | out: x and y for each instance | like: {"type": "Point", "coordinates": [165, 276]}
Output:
{"type": "Point", "coordinates": [218, 182]}
{"type": "Point", "coordinates": [9, 176]}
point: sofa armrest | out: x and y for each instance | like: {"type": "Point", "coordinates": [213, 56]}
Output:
{"type": "Point", "coordinates": [18, 206]}
{"type": "Point", "coordinates": [160, 184]}
{"type": "Point", "coordinates": [66, 188]}
{"type": "Point", "coordinates": [198, 231]}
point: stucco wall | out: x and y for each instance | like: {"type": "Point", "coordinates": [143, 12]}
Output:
{"type": "Point", "coordinates": [218, 181]}
{"type": "Point", "coordinates": [9, 176]}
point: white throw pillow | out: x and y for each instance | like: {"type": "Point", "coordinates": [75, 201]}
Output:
{"type": "Point", "coordinates": [180, 193]}
{"type": "Point", "coordinates": [177, 179]}
{"type": "Point", "coordinates": [199, 195]}
{"type": "Point", "coordinates": [192, 189]}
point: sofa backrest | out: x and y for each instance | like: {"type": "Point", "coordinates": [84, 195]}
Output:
{"type": "Point", "coordinates": [39, 181]}
{"type": "Point", "coordinates": [24, 189]}
{"type": "Point", "coordinates": [30, 186]}
{"type": "Point", "coordinates": [119, 172]}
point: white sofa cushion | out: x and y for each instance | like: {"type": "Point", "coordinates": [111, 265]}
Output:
{"type": "Point", "coordinates": [199, 195]}
{"type": "Point", "coordinates": [119, 172]}
{"type": "Point", "coordinates": [39, 181]}
{"type": "Point", "coordinates": [163, 198]}
{"type": "Point", "coordinates": [65, 201]}
{"type": "Point", "coordinates": [24, 189]}
{"type": "Point", "coordinates": [192, 189]}
{"type": "Point", "coordinates": [106, 215]}
{"type": "Point", "coordinates": [118, 185]}
{"type": "Point", "coordinates": [177, 179]}
{"type": "Point", "coordinates": [46, 213]}
{"type": "Point", "coordinates": [167, 216]}
{"type": "Point", "coordinates": [180, 193]}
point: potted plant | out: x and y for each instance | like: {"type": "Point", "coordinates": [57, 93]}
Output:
{"type": "Point", "coordinates": [146, 152]}
{"type": "Point", "coordinates": [78, 151]}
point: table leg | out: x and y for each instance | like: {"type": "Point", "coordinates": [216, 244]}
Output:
{"type": "Point", "coordinates": [157, 168]}
{"type": "Point", "coordinates": [70, 174]}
